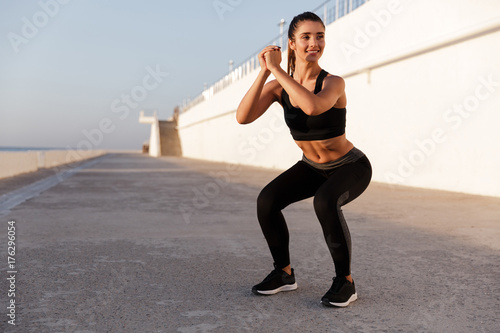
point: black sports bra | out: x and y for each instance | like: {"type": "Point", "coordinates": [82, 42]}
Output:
{"type": "Point", "coordinates": [326, 125]}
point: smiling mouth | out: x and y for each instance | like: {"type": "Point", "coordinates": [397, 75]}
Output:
{"type": "Point", "coordinates": [313, 52]}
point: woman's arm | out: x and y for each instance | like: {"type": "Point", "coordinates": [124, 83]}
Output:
{"type": "Point", "coordinates": [312, 104]}
{"type": "Point", "coordinates": [260, 95]}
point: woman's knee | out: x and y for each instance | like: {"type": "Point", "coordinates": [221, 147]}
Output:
{"type": "Point", "coordinates": [266, 201]}
{"type": "Point", "coordinates": [326, 203]}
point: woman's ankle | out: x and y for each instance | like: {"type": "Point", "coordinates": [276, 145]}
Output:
{"type": "Point", "coordinates": [288, 269]}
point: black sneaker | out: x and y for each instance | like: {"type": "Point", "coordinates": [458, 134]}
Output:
{"type": "Point", "coordinates": [341, 293]}
{"type": "Point", "coordinates": [278, 280]}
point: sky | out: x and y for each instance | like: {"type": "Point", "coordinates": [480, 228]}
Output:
{"type": "Point", "coordinates": [74, 70]}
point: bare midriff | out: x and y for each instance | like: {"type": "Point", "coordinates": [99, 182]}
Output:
{"type": "Point", "coordinates": [323, 151]}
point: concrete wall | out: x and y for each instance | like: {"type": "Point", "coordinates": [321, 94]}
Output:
{"type": "Point", "coordinates": [423, 87]}
{"type": "Point", "coordinates": [169, 138]}
{"type": "Point", "coordinates": [15, 163]}
{"type": "Point", "coordinates": [154, 148]}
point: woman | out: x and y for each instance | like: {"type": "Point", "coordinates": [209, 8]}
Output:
{"type": "Point", "coordinates": [332, 169]}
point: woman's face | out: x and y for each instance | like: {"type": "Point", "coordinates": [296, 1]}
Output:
{"type": "Point", "coordinates": [309, 41]}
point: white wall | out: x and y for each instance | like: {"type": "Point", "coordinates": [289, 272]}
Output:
{"type": "Point", "coordinates": [427, 118]}
{"type": "Point", "coordinates": [154, 137]}
{"type": "Point", "coordinates": [16, 163]}
{"type": "Point", "coordinates": [13, 163]}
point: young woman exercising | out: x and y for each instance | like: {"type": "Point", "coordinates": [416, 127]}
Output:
{"type": "Point", "coordinates": [332, 169]}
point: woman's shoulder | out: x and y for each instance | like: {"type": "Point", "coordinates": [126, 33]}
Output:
{"type": "Point", "coordinates": [334, 80]}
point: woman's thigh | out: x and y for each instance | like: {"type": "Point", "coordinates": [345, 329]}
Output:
{"type": "Point", "coordinates": [295, 184]}
{"type": "Point", "coordinates": [346, 183]}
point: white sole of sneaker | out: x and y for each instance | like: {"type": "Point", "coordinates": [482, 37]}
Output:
{"type": "Point", "coordinates": [286, 287]}
{"type": "Point", "coordinates": [342, 305]}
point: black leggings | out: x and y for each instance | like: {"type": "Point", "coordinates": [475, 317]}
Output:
{"type": "Point", "coordinates": [331, 187]}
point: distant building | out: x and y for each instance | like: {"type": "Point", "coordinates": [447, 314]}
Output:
{"type": "Point", "coordinates": [164, 138]}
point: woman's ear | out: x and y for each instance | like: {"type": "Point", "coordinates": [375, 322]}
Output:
{"type": "Point", "coordinates": [291, 44]}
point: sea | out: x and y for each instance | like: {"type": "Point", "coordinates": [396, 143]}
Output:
{"type": "Point", "coordinates": [29, 148]}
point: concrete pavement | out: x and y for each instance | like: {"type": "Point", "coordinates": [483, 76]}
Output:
{"type": "Point", "coordinates": [137, 244]}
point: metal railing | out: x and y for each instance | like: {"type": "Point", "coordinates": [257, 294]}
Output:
{"type": "Point", "coordinates": [329, 11]}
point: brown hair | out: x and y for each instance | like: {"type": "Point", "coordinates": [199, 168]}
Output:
{"type": "Point", "coordinates": [306, 16]}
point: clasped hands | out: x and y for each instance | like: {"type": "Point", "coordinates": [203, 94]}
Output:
{"type": "Point", "coordinates": [270, 58]}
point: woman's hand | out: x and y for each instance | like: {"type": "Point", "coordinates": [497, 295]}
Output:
{"type": "Point", "coordinates": [264, 56]}
{"type": "Point", "coordinates": [273, 58]}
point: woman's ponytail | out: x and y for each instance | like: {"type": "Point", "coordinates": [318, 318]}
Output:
{"type": "Point", "coordinates": [291, 61]}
